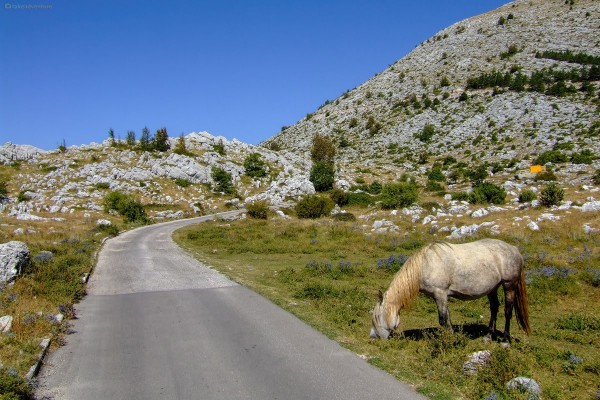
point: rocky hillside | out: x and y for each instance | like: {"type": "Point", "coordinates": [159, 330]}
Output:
{"type": "Point", "coordinates": [502, 87]}
{"type": "Point", "coordinates": [48, 185]}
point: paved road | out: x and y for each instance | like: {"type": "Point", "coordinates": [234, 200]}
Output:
{"type": "Point", "coordinates": [157, 324]}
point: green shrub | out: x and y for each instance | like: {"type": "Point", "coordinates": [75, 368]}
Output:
{"type": "Point", "coordinates": [102, 185]}
{"type": "Point", "coordinates": [13, 387]}
{"type": "Point", "coordinates": [552, 156]}
{"type": "Point", "coordinates": [578, 323]}
{"type": "Point", "coordinates": [254, 166]}
{"type": "Point", "coordinates": [182, 182]}
{"type": "Point", "coordinates": [460, 196]}
{"type": "Point", "coordinates": [223, 181]}
{"type": "Point", "coordinates": [595, 178]}
{"type": "Point", "coordinates": [110, 229]}
{"type": "Point", "coordinates": [219, 148]}
{"type": "Point", "coordinates": [313, 206]}
{"type": "Point", "coordinates": [322, 175]}
{"type": "Point", "coordinates": [258, 209]}
{"type": "Point", "coordinates": [478, 175]}
{"type": "Point", "coordinates": [375, 188]}
{"type": "Point", "coordinates": [426, 133]}
{"type": "Point", "coordinates": [527, 196]}
{"type": "Point", "coordinates": [437, 175]}
{"type": "Point", "coordinates": [360, 199]}
{"type": "Point", "coordinates": [433, 186]}
{"type": "Point", "coordinates": [395, 195]}
{"type": "Point", "coordinates": [551, 195]}
{"type": "Point", "coordinates": [322, 150]}
{"type": "Point", "coordinates": [584, 157]}
{"type": "Point", "coordinates": [22, 197]}
{"type": "Point", "coordinates": [3, 189]}
{"type": "Point", "coordinates": [487, 192]}
{"type": "Point", "coordinates": [339, 197]}
{"type": "Point", "coordinates": [548, 176]}
{"type": "Point", "coordinates": [344, 216]}
{"type": "Point", "coordinates": [128, 207]}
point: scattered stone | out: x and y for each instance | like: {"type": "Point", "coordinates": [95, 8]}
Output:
{"type": "Point", "coordinates": [527, 385]}
{"type": "Point", "coordinates": [533, 226]}
{"type": "Point", "coordinates": [6, 323]}
{"type": "Point", "coordinates": [591, 206]}
{"type": "Point", "coordinates": [14, 256]}
{"type": "Point", "coordinates": [476, 361]}
{"type": "Point", "coordinates": [479, 213]}
{"type": "Point", "coordinates": [383, 225]}
{"type": "Point", "coordinates": [103, 222]}
{"type": "Point", "coordinates": [44, 257]}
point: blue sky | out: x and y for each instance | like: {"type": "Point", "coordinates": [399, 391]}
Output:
{"type": "Point", "coordinates": [241, 69]}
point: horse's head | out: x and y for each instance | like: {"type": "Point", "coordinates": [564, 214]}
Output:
{"type": "Point", "coordinates": [380, 328]}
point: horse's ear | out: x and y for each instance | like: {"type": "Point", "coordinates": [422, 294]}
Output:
{"type": "Point", "coordinates": [380, 297]}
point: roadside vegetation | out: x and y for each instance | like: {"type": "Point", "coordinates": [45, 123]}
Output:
{"type": "Point", "coordinates": [327, 272]}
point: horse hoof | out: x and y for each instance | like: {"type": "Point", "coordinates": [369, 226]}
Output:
{"type": "Point", "coordinates": [505, 345]}
{"type": "Point", "coordinates": [487, 339]}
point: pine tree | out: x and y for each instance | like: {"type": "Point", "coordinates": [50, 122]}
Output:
{"type": "Point", "coordinates": [130, 138]}
{"type": "Point", "coordinates": [111, 137]}
{"type": "Point", "coordinates": [145, 140]}
{"type": "Point", "coordinates": [161, 140]}
{"type": "Point", "coordinates": [180, 145]}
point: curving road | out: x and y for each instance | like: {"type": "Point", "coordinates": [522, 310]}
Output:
{"type": "Point", "coordinates": [156, 324]}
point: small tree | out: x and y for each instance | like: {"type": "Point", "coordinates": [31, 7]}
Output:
{"type": "Point", "coordinates": [223, 181]}
{"type": "Point", "coordinates": [3, 189]}
{"type": "Point", "coordinates": [180, 147]}
{"type": "Point", "coordinates": [161, 140]}
{"type": "Point", "coordinates": [551, 195]}
{"type": "Point", "coordinates": [130, 140]}
{"type": "Point", "coordinates": [313, 206]}
{"type": "Point", "coordinates": [145, 140]}
{"type": "Point", "coordinates": [426, 133]}
{"type": "Point", "coordinates": [111, 137]}
{"type": "Point", "coordinates": [258, 209]}
{"type": "Point", "coordinates": [254, 166]}
{"type": "Point", "coordinates": [130, 208]}
{"type": "Point", "coordinates": [63, 146]}
{"type": "Point", "coordinates": [322, 175]}
{"type": "Point", "coordinates": [322, 150]}
{"type": "Point", "coordinates": [395, 195]}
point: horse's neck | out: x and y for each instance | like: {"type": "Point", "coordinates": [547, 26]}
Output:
{"type": "Point", "coordinates": [391, 311]}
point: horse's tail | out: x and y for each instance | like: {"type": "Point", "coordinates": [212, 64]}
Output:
{"type": "Point", "coordinates": [521, 308]}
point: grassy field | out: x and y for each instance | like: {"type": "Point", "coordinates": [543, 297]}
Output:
{"type": "Point", "coordinates": [328, 273]}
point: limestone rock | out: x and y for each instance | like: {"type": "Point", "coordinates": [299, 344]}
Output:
{"type": "Point", "coordinates": [13, 257]}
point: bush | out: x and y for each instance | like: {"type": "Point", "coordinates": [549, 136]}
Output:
{"type": "Point", "coordinates": [339, 197]}
{"type": "Point", "coordinates": [322, 150]}
{"type": "Point", "coordinates": [595, 179]}
{"type": "Point", "coordinates": [433, 186]}
{"type": "Point", "coordinates": [527, 195]}
{"type": "Point", "coordinates": [487, 192]}
{"type": "Point", "coordinates": [102, 185]}
{"type": "Point", "coordinates": [313, 206]}
{"type": "Point", "coordinates": [344, 216]}
{"type": "Point", "coordinates": [551, 195]}
{"type": "Point", "coordinates": [585, 157]}
{"type": "Point", "coordinates": [3, 189]}
{"type": "Point", "coordinates": [426, 133]}
{"type": "Point", "coordinates": [478, 175]}
{"type": "Point", "coordinates": [128, 207]}
{"type": "Point", "coordinates": [13, 387]}
{"type": "Point", "coordinates": [437, 175]}
{"type": "Point", "coordinates": [254, 166]}
{"type": "Point", "coordinates": [360, 199]}
{"type": "Point", "coordinates": [545, 176]}
{"type": "Point", "coordinates": [223, 182]}
{"type": "Point", "coordinates": [460, 196]}
{"type": "Point", "coordinates": [322, 175]}
{"type": "Point", "coordinates": [395, 195]}
{"type": "Point", "coordinates": [182, 182]}
{"type": "Point", "coordinates": [552, 156]}
{"type": "Point", "coordinates": [258, 209]}
{"type": "Point", "coordinates": [22, 197]}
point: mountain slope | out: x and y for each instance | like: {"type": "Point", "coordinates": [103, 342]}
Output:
{"type": "Point", "coordinates": [378, 122]}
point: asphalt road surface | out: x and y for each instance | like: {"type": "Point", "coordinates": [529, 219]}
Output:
{"type": "Point", "coordinates": [157, 324]}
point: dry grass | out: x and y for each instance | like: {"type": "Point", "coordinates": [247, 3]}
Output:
{"type": "Point", "coordinates": [297, 264]}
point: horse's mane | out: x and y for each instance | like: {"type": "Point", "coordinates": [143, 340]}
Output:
{"type": "Point", "coordinates": [406, 283]}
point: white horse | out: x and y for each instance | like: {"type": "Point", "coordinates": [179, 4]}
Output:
{"type": "Point", "coordinates": [465, 271]}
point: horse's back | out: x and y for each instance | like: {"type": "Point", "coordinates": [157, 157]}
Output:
{"type": "Point", "coordinates": [473, 269]}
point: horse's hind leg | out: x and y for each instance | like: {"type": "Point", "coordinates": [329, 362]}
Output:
{"type": "Point", "coordinates": [441, 299]}
{"type": "Point", "coordinates": [494, 306]}
{"type": "Point", "coordinates": [509, 299]}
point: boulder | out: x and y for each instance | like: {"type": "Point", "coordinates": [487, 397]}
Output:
{"type": "Point", "coordinates": [6, 323]}
{"type": "Point", "coordinates": [524, 384]}
{"type": "Point", "coordinates": [14, 256]}
{"type": "Point", "coordinates": [476, 361]}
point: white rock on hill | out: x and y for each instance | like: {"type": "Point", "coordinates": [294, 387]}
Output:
{"type": "Point", "coordinates": [13, 257]}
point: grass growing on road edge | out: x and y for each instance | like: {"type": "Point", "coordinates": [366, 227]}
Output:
{"type": "Point", "coordinates": [51, 284]}
{"type": "Point", "coordinates": [328, 273]}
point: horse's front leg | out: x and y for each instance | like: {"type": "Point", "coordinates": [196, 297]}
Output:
{"type": "Point", "coordinates": [494, 306]}
{"type": "Point", "coordinates": [441, 299]}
